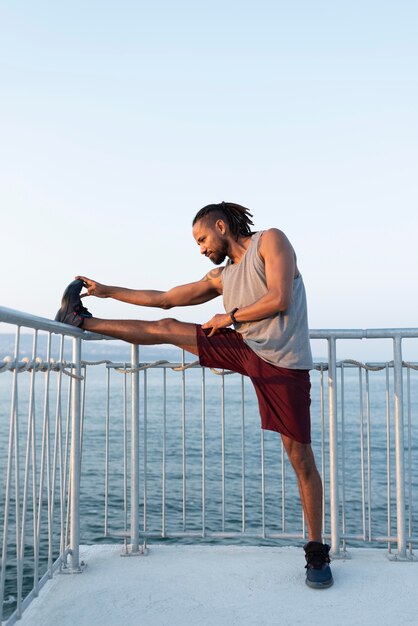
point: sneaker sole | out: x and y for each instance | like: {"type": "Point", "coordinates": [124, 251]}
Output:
{"type": "Point", "coordinates": [319, 585]}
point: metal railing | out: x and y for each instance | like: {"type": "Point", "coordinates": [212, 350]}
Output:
{"type": "Point", "coordinates": [397, 335]}
{"type": "Point", "coordinates": [180, 465]}
{"type": "Point", "coordinates": [360, 472]}
{"type": "Point", "coordinates": [40, 460]}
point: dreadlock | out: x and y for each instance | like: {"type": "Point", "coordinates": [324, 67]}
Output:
{"type": "Point", "coordinates": [236, 216]}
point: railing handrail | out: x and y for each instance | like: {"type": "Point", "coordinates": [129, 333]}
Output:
{"type": "Point", "coordinates": [11, 316]}
{"type": "Point", "coordinates": [363, 333]}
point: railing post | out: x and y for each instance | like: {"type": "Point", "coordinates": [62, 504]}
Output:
{"type": "Point", "coordinates": [134, 451]}
{"type": "Point", "coordinates": [333, 446]}
{"type": "Point", "coordinates": [399, 447]}
{"type": "Point", "coordinates": [75, 459]}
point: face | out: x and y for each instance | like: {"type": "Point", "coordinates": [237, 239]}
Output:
{"type": "Point", "coordinates": [211, 240]}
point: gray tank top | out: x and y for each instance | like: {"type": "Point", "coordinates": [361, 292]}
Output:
{"type": "Point", "coordinates": [282, 339]}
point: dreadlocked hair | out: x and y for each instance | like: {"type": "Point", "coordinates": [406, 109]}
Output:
{"type": "Point", "coordinates": [236, 216]}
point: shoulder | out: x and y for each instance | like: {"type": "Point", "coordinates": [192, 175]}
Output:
{"type": "Point", "coordinates": [214, 274]}
{"type": "Point", "coordinates": [214, 278]}
{"type": "Point", "coordinates": [272, 240]}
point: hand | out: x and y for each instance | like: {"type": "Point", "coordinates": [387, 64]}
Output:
{"type": "Point", "coordinates": [93, 288]}
{"type": "Point", "coordinates": [218, 321]}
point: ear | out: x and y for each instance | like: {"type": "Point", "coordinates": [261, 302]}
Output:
{"type": "Point", "coordinates": [220, 226]}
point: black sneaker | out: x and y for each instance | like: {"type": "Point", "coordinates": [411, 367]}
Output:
{"type": "Point", "coordinates": [318, 571]}
{"type": "Point", "coordinates": [72, 311]}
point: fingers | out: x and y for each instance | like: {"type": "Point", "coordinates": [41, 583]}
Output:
{"type": "Point", "coordinates": [210, 324]}
{"type": "Point", "coordinates": [217, 323]}
{"type": "Point", "coordinates": [89, 284]}
{"type": "Point", "coordinates": [213, 328]}
{"type": "Point", "coordinates": [84, 279]}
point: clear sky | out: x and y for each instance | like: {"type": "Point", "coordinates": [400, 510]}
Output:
{"type": "Point", "coordinates": [119, 120]}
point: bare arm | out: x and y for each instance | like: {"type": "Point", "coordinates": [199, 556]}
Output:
{"type": "Point", "coordinates": [209, 287]}
{"type": "Point", "coordinates": [280, 267]}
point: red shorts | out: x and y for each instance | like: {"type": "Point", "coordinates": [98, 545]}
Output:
{"type": "Point", "coordinates": [283, 394]}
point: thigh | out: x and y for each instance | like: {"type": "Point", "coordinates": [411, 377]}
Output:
{"type": "Point", "coordinates": [176, 333]}
{"type": "Point", "coordinates": [284, 399]}
{"type": "Point", "coordinates": [224, 350]}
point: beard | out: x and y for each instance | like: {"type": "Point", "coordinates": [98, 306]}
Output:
{"type": "Point", "coordinates": [218, 256]}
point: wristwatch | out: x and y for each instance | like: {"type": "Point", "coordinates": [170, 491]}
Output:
{"type": "Point", "coordinates": [232, 314]}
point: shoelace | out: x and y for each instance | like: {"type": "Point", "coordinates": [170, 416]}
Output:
{"type": "Point", "coordinates": [316, 559]}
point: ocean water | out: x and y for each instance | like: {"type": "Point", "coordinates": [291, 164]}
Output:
{"type": "Point", "coordinates": [366, 461]}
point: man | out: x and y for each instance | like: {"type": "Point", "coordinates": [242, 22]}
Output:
{"type": "Point", "coordinates": [265, 302]}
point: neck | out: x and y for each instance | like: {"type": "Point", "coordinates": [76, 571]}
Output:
{"type": "Point", "coordinates": [237, 248]}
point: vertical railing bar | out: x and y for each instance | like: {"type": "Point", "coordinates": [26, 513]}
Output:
{"type": "Point", "coordinates": [107, 452]}
{"type": "Point", "coordinates": [57, 445]}
{"type": "Point", "coordinates": [164, 468]}
{"type": "Point", "coordinates": [369, 460]}
{"type": "Point", "coordinates": [223, 447]}
{"type": "Point", "coordinates": [363, 475]}
{"type": "Point", "coordinates": [134, 449]}
{"type": "Point", "coordinates": [48, 454]}
{"type": "Point", "coordinates": [410, 500]}
{"type": "Point", "coordinates": [67, 481]}
{"type": "Point", "coordinates": [61, 452]}
{"type": "Point", "coordinates": [323, 466]}
{"type": "Point", "coordinates": [333, 446]}
{"type": "Point", "coordinates": [68, 520]}
{"type": "Point", "coordinates": [203, 452]}
{"type": "Point", "coordinates": [125, 455]}
{"type": "Point", "coordinates": [263, 487]}
{"type": "Point", "coordinates": [183, 436]}
{"type": "Point", "coordinates": [343, 521]}
{"type": "Point", "coordinates": [283, 487]}
{"type": "Point", "coordinates": [34, 476]}
{"type": "Point", "coordinates": [399, 446]}
{"type": "Point", "coordinates": [388, 462]}
{"type": "Point", "coordinates": [42, 467]}
{"type": "Point", "coordinates": [9, 470]}
{"type": "Point", "coordinates": [303, 524]}
{"type": "Point", "coordinates": [83, 405]}
{"type": "Point", "coordinates": [243, 511]}
{"type": "Point", "coordinates": [75, 459]}
{"type": "Point", "coordinates": [29, 437]}
{"type": "Point", "coordinates": [17, 488]}
{"type": "Point", "coordinates": [145, 450]}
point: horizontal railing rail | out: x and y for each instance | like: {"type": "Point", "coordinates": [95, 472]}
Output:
{"type": "Point", "coordinates": [182, 444]}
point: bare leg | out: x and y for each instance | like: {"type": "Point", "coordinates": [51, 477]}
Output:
{"type": "Point", "coordinates": [309, 482]}
{"type": "Point", "coordinates": [181, 334]}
